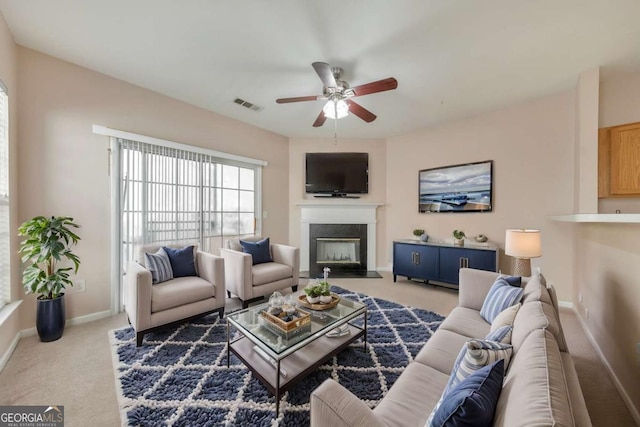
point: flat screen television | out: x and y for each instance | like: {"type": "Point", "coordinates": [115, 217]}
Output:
{"type": "Point", "coordinates": [458, 188]}
{"type": "Point", "coordinates": [337, 174]}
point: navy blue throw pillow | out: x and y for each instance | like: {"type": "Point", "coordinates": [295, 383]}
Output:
{"type": "Point", "coordinates": [259, 250]}
{"type": "Point", "coordinates": [513, 280]}
{"type": "Point", "coordinates": [182, 261]}
{"type": "Point", "coordinates": [473, 401]}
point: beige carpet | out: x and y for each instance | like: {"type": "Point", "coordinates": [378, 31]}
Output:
{"type": "Point", "coordinates": [76, 371]}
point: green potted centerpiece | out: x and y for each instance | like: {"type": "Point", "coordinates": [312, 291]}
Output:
{"type": "Point", "coordinates": [319, 291]}
{"type": "Point", "coordinates": [47, 246]}
{"type": "Point", "coordinates": [458, 237]}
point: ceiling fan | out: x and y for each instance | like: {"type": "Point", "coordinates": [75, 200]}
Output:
{"type": "Point", "coordinates": [339, 94]}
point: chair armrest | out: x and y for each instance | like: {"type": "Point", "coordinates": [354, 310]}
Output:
{"type": "Point", "coordinates": [474, 287]}
{"type": "Point", "coordinates": [237, 273]}
{"type": "Point", "coordinates": [138, 293]}
{"type": "Point", "coordinates": [211, 269]}
{"type": "Point", "coordinates": [288, 255]}
{"type": "Point", "coordinates": [332, 405]}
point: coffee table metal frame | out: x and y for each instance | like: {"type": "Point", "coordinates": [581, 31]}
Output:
{"type": "Point", "coordinates": [306, 355]}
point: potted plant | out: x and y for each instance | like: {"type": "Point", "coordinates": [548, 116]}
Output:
{"type": "Point", "coordinates": [418, 232]}
{"type": "Point", "coordinates": [325, 292]}
{"type": "Point", "coordinates": [313, 293]}
{"type": "Point", "coordinates": [47, 246]}
{"type": "Point", "coordinates": [458, 237]}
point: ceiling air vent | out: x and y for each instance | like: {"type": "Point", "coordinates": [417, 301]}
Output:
{"type": "Point", "coordinates": [247, 104]}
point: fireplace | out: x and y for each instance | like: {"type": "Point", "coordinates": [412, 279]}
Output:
{"type": "Point", "coordinates": [341, 213]}
{"type": "Point", "coordinates": [341, 247]}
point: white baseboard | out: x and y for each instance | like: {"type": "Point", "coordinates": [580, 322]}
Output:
{"type": "Point", "coordinates": [72, 322]}
{"type": "Point", "coordinates": [625, 397]}
{"type": "Point", "coordinates": [7, 354]}
{"type": "Point", "coordinates": [566, 304]}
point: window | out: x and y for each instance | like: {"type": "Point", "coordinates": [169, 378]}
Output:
{"type": "Point", "coordinates": [171, 194]}
{"type": "Point", "coordinates": [5, 253]}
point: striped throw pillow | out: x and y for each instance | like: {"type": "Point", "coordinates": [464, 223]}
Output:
{"type": "Point", "coordinates": [502, 335]}
{"type": "Point", "coordinates": [159, 266]}
{"type": "Point", "coordinates": [501, 296]}
{"type": "Point", "coordinates": [477, 354]}
{"type": "Point", "coordinates": [474, 355]}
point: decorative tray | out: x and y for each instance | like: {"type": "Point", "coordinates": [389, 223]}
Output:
{"type": "Point", "coordinates": [302, 300]}
{"type": "Point", "coordinates": [303, 319]}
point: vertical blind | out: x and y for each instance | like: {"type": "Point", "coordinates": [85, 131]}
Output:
{"type": "Point", "coordinates": [170, 195]}
{"type": "Point", "coordinates": [5, 254]}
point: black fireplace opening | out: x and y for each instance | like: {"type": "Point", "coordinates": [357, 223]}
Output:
{"type": "Point", "coordinates": [341, 247]}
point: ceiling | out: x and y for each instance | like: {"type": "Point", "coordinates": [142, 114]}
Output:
{"type": "Point", "coordinates": [452, 58]}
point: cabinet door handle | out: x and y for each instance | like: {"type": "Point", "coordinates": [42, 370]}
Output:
{"type": "Point", "coordinates": [460, 262]}
{"type": "Point", "coordinates": [466, 262]}
{"type": "Point", "coordinates": [413, 257]}
{"type": "Point", "coordinates": [417, 257]}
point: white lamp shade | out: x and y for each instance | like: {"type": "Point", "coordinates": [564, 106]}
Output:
{"type": "Point", "coordinates": [523, 244]}
{"type": "Point", "coordinates": [332, 107]}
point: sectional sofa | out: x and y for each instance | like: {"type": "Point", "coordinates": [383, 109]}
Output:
{"type": "Point", "coordinates": [540, 386]}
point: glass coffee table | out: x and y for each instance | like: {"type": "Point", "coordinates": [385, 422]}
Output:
{"type": "Point", "coordinates": [280, 360]}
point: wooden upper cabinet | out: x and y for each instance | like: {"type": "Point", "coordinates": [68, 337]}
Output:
{"type": "Point", "coordinates": [619, 161]}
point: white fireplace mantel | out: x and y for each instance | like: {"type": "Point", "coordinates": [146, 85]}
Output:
{"type": "Point", "coordinates": [338, 212]}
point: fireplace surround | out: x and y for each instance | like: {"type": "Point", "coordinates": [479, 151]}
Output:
{"type": "Point", "coordinates": [339, 212]}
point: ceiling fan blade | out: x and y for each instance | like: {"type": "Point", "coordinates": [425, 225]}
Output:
{"type": "Point", "coordinates": [360, 111]}
{"type": "Point", "coordinates": [374, 87]}
{"type": "Point", "coordinates": [320, 120]}
{"type": "Point", "coordinates": [298, 99]}
{"type": "Point", "coordinates": [326, 75]}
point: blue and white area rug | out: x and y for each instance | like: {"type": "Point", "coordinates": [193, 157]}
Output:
{"type": "Point", "coordinates": [179, 376]}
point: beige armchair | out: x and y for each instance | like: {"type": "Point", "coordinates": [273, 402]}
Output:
{"type": "Point", "coordinates": [252, 282]}
{"type": "Point", "coordinates": [152, 306]}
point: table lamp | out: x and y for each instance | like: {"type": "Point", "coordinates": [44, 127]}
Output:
{"type": "Point", "coordinates": [523, 245]}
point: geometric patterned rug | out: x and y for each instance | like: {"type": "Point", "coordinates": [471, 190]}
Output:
{"type": "Point", "coordinates": [179, 376]}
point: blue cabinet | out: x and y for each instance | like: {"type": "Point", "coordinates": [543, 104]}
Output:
{"type": "Point", "coordinates": [439, 262]}
{"type": "Point", "coordinates": [415, 261]}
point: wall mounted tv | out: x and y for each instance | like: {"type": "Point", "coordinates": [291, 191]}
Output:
{"type": "Point", "coordinates": [457, 188]}
{"type": "Point", "coordinates": [337, 174]}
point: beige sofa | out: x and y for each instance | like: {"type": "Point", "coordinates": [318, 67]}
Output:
{"type": "Point", "coordinates": [540, 387]}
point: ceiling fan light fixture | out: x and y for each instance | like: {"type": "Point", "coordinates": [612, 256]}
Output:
{"type": "Point", "coordinates": [336, 109]}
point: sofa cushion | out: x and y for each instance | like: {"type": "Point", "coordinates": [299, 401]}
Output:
{"type": "Point", "coordinates": [183, 261]}
{"type": "Point", "coordinates": [535, 290]}
{"type": "Point", "coordinates": [562, 342]}
{"type": "Point", "coordinates": [180, 291]}
{"type": "Point", "coordinates": [477, 354]}
{"type": "Point", "coordinates": [467, 322]}
{"type": "Point", "coordinates": [534, 392]}
{"type": "Point", "coordinates": [501, 296]}
{"type": "Point", "coordinates": [534, 315]}
{"type": "Point", "coordinates": [412, 397]}
{"type": "Point", "coordinates": [473, 401]}
{"type": "Point", "coordinates": [270, 272]}
{"type": "Point", "coordinates": [441, 350]}
{"type": "Point", "coordinates": [159, 265]}
{"type": "Point", "coordinates": [260, 251]}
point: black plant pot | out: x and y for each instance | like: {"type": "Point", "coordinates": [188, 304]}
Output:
{"type": "Point", "coordinates": [50, 318]}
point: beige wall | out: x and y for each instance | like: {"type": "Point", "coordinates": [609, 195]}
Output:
{"type": "Point", "coordinates": [377, 182]}
{"type": "Point", "coordinates": [608, 261]}
{"type": "Point", "coordinates": [9, 76]}
{"type": "Point", "coordinates": [63, 165]}
{"type": "Point", "coordinates": [532, 148]}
